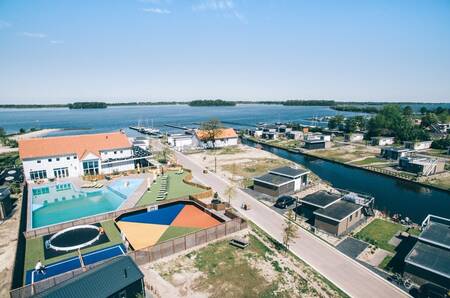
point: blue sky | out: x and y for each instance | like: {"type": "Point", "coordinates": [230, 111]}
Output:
{"type": "Point", "coordinates": [117, 50]}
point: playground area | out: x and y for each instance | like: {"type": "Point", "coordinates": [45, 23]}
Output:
{"type": "Point", "coordinates": [169, 186]}
{"type": "Point", "coordinates": [73, 263]}
{"type": "Point", "coordinates": [146, 228]}
{"type": "Point", "coordinates": [58, 262]}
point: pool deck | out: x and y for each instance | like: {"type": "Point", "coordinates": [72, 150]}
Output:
{"type": "Point", "coordinates": [78, 182]}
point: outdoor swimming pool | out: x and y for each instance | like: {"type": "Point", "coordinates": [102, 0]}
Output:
{"type": "Point", "coordinates": [53, 204]}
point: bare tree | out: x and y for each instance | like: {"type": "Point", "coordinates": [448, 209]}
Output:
{"type": "Point", "coordinates": [230, 191]}
{"type": "Point", "coordinates": [212, 129]}
{"type": "Point", "coordinates": [290, 229]}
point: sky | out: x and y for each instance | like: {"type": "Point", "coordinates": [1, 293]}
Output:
{"type": "Point", "coordinates": [159, 50]}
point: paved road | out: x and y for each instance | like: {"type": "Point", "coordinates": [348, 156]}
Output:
{"type": "Point", "coordinates": [347, 274]}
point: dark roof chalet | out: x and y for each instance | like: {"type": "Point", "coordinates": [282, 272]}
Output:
{"type": "Point", "coordinates": [101, 281]}
{"type": "Point", "coordinates": [320, 199]}
{"type": "Point", "coordinates": [289, 172]}
{"type": "Point", "coordinates": [338, 211]}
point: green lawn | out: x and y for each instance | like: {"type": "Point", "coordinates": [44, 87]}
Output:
{"type": "Point", "coordinates": [35, 247]}
{"type": "Point", "coordinates": [174, 232]}
{"type": "Point", "coordinates": [368, 160]}
{"type": "Point", "coordinates": [176, 188]}
{"type": "Point", "coordinates": [384, 264]}
{"type": "Point", "coordinates": [379, 232]}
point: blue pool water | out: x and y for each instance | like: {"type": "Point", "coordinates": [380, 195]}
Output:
{"type": "Point", "coordinates": [125, 186]}
{"type": "Point", "coordinates": [62, 202]}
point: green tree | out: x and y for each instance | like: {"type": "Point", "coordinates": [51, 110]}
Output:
{"type": "Point", "coordinates": [423, 110]}
{"type": "Point", "coordinates": [407, 111]}
{"type": "Point", "coordinates": [290, 229]}
{"type": "Point", "coordinates": [429, 119]}
{"type": "Point", "coordinates": [2, 132]}
{"type": "Point", "coordinates": [336, 122]}
{"type": "Point", "coordinates": [443, 143]}
{"type": "Point", "coordinates": [350, 124]}
{"type": "Point", "coordinates": [212, 129]}
{"type": "Point", "coordinates": [22, 130]}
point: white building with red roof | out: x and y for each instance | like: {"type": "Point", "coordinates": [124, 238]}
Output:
{"type": "Point", "coordinates": [224, 137]}
{"type": "Point", "coordinates": [74, 156]}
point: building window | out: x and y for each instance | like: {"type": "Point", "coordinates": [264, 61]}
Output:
{"type": "Point", "coordinates": [90, 167]}
{"type": "Point", "coordinates": [75, 157]}
{"type": "Point", "coordinates": [68, 157]}
{"type": "Point", "coordinates": [115, 152]}
{"type": "Point", "coordinates": [57, 159]}
{"type": "Point", "coordinates": [351, 217]}
{"type": "Point", "coordinates": [121, 151]}
{"type": "Point", "coordinates": [38, 161]}
{"type": "Point", "coordinates": [61, 172]}
{"type": "Point", "coordinates": [34, 175]}
{"type": "Point", "coordinates": [49, 160]}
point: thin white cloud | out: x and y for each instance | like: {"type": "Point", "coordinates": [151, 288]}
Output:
{"type": "Point", "coordinates": [214, 5]}
{"type": "Point", "coordinates": [4, 24]}
{"type": "Point", "coordinates": [56, 41]}
{"type": "Point", "coordinates": [34, 34]}
{"type": "Point", "coordinates": [226, 7]}
{"type": "Point", "coordinates": [157, 10]}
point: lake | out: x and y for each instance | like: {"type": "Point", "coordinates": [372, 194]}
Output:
{"type": "Point", "coordinates": [114, 118]}
{"type": "Point", "coordinates": [391, 194]}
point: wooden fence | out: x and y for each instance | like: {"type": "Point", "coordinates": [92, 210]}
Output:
{"type": "Point", "coordinates": [91, 220]}
{"type": "Point", "coordinates": [111, 215]}
{"type": "Point", "coordinates": [176, 245]}
{"type": "Point", "coordinates": [145, 255]}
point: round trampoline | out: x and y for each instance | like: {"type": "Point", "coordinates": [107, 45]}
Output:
{"type": "Point", "coordinates": [9, 178]}
{"type": "Point", "coordinates": [74, 238]}
{"type": "Point", "coordinates": [11, 172]}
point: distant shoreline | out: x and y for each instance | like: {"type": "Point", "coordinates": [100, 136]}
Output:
{"type": "Point", "coordinates": [285, 103]}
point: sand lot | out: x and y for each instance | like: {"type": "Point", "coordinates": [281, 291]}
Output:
{"type": "Point", "coordinates": [218, 269]}
{"type": "Point", "coordinates": [34, 134]}
{"type": "Point", "coordinates": [348, 153]}
{"type": "Point", "coordinates": [240, 163]}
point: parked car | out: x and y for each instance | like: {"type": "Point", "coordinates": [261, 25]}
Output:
{"type": "Point", "coordinates": [284, 202]}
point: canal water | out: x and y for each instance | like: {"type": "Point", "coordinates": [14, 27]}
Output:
{"type": "Point", "coordinates": [391, 194]}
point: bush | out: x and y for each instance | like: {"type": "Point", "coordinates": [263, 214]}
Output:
{"type": "Point", "coordinates": [441, 144]}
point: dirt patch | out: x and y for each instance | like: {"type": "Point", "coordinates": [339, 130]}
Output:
{"type": "Point", "coordinates": [347, 153]}
{"type": "Point", "coordinates": [242, 164]}
{"type": "Point", "coordinates": [222, 270]}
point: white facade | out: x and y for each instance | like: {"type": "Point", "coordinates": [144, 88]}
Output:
{"type": "Point", "coordinates": [225, 142]}
{"type": "Point", "coordinates": [418, 145]}
{"type": "Point", "coordinates": [50, 165]}
{"type": "Point", "coordinates": [180, 142]}
{"type": "Point", "coordinates": [294, 135]}
{"type": "Point", "coordinates": [383, 141]}
{"type": "Point", "coordinates": [316, 137]}
{"type": "Point", "coordinates": [63, 166]}
{"type": "Point", "coordinates": [354, 137]}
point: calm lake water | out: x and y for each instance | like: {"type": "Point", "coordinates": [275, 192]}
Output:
{"type": "Point", "coordinates": [114, 118]}
{"type": "Point", "coordinates": [393, 195]}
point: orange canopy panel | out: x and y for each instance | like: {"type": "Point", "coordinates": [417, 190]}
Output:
{"type": "Point", "coordinates": [193, 217]}
{"type": "Point", "coordinates": [141, 235]}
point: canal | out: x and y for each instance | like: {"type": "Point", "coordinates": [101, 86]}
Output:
{"type": "Point", "coordinates": [391, 195]}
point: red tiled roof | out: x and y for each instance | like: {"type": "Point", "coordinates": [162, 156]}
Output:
{"type": "Point", "coordinates": [79, 145]}
{"type": "Point", "coordinates": [224, 133]}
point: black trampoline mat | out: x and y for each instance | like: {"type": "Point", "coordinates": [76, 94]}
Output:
{"type": "Point", "coordinates": [72, 238]}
